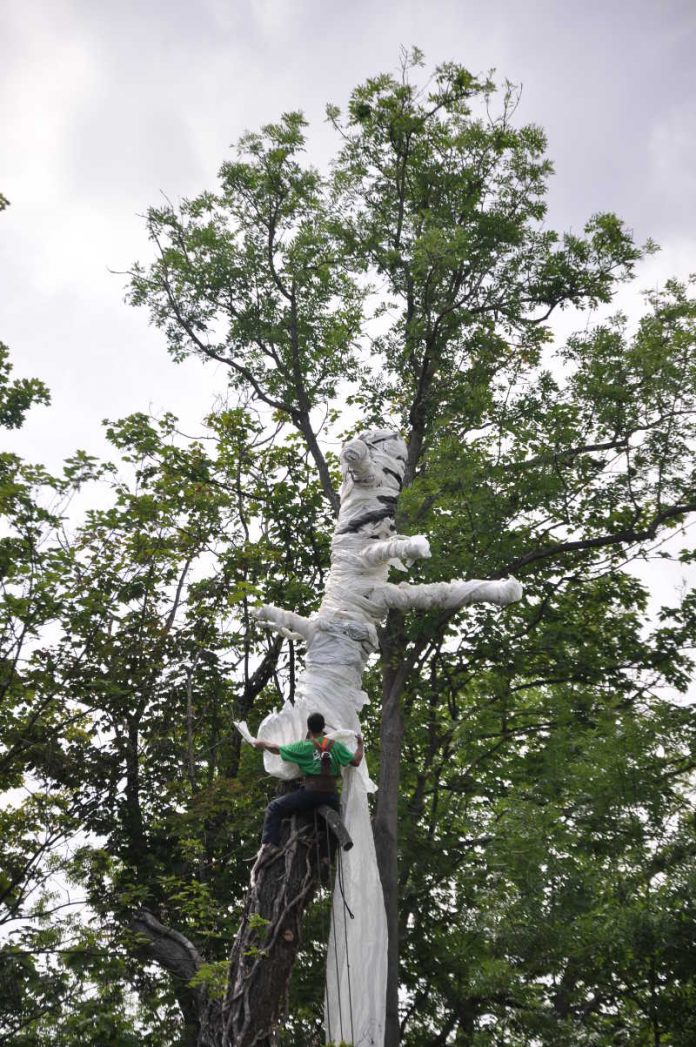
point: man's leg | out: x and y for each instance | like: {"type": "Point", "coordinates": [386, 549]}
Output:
{"type": "Point", "coordinates": [333, 800]}
{"type": "Point", "coordinates": [299, 800]}
{"type": "Point", "coordinates": [278, 809]}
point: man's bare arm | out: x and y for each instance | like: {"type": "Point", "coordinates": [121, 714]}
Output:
{"type": "Point", "coordinates": [359, 752]}
{"type": "Point", "coordinates": [270, 747]}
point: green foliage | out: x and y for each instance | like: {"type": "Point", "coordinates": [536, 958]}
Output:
{"type": "Point", "coordinates": [257, 923]}
{"type": "Point", "coordinates": [212, 978]}
{"type": "Point", "coordinates": [546, 836]}
{"type": "Point", "coordinates": [18, 396]}
{"type": "Point", "coordinates": [261, 264]}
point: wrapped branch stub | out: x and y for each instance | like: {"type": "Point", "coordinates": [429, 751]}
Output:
{"type": "Point", "coordinates": [337, 826]}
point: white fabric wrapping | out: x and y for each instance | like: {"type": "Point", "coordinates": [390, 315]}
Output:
{"type": "Point", "coordinates": [340, 638]}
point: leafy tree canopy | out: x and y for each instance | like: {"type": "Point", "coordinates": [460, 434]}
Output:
{"type": "Point", "coordinates": [545, 834]}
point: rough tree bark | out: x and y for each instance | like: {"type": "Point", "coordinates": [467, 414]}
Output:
{"type": "Point", "coordinates": [394, 673]}
{"type": "Point", "coordinates": [264, 951]}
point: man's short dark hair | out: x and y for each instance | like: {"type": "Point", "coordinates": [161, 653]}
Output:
{"type": "Point", "coordinates": [315, 723]}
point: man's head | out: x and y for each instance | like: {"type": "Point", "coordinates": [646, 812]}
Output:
{"type": "Point", "coordinates": [315, 723]}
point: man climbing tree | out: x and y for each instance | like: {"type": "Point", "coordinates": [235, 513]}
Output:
{"type": "Point", "coordinates": [319, 759]}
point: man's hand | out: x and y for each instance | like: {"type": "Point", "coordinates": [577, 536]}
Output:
{"type": "Point", "coordinates": [357, 759]}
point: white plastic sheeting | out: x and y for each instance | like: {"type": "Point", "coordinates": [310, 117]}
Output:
{"type": "Point", "coordinates": [356, 959]}
{"type": "Point", "coordinates": [340, 638]}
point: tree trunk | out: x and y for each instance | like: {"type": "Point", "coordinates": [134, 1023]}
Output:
{"type": "Point", "coordinates": [263, 954]}
{"type": "Point", "coordinates": [386, 816]}
{"type": "Point", "coordinates": [264, 951]}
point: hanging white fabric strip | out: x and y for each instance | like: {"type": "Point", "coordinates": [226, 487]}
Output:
{"type": "Point", "coordinates": [356, 959]}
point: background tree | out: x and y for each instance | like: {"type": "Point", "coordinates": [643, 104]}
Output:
{"type": "Point", "coordinates": [153, 662]}
{"type": "Point", "coordinates": [40, 970]}
{"type": "Point", "coordinates": [536, 765]}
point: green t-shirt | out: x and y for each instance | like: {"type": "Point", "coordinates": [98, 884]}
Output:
{"type": "Point", "coordinates": [308, 758]}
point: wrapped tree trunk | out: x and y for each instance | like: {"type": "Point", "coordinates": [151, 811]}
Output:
{"type": "Point", "coordinates": [340, 638]}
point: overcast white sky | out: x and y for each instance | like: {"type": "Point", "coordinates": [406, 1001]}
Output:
{"type": "Point", "coordinates": [103, 106]}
